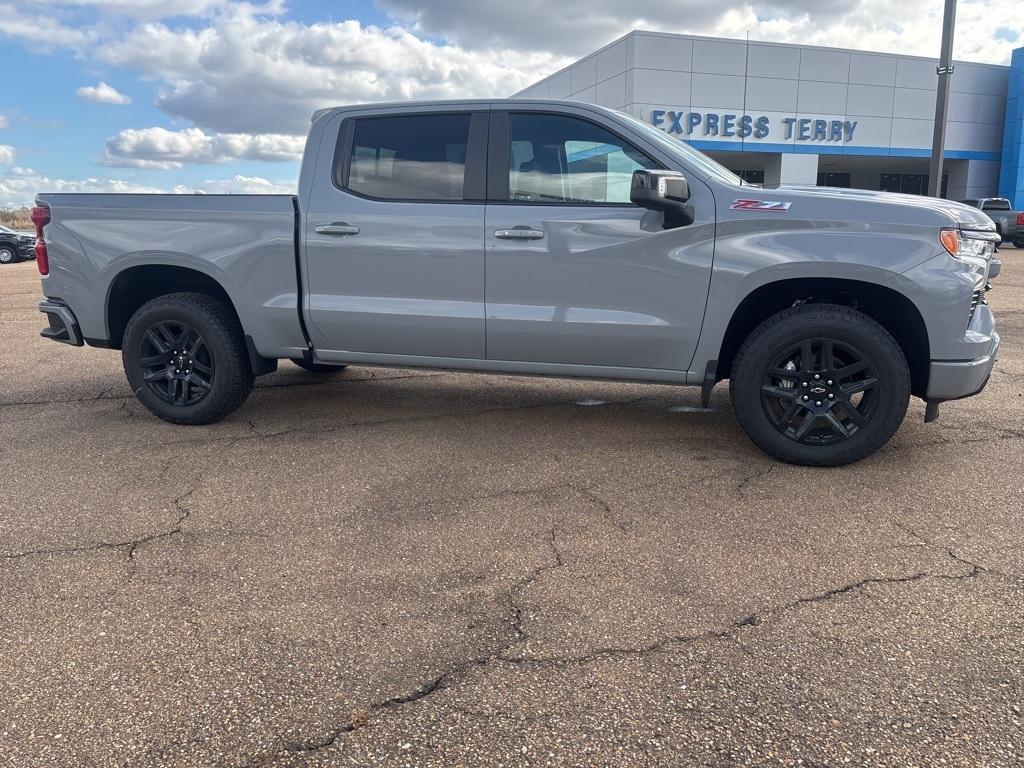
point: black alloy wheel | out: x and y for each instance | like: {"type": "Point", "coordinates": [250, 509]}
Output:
{"type": "Point", "coordinates": [820, 385]}
{"type": "Point", "coordinates": [186, 359]}
{"type": "Point", "coordinates": [176, 363]}
{"type": "Point", "coordinates": [820, 391]}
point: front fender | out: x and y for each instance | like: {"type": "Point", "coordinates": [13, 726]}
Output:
{"type": "Point", "coordinates": [753, 253]}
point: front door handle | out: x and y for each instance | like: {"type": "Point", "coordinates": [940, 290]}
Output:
{"type": "Point", "coordinates": [337, 228]}
{"type": "Point", "coordinates": [519, 233]}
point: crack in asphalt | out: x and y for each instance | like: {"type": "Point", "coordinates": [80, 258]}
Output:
{"type": "Point", "coordinates": [976, 568]}
{"type": "Point", "coordinates": [514, 601]}
{"type": "Point", "coordinates": [434, 684]}
{"type": "Point", "coordinates": [129, 546]}
{"type": "Point", "coordinates": [750, 621]}
{"type": "Point", "coordinates": [314, 430]}
{"type": "Point", "coordinates": [754, 476]}
{"type": "Point", "coordinates": [606, 507]}
{"type": "Point", "coordinates": [284, 385]}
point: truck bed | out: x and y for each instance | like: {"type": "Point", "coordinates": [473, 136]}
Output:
{"type": "Point", "coordinates": [246, 243]}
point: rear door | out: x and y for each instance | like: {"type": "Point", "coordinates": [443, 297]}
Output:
{"type": "Point", "coordinates": [576, 274]}
{"type": "Point", "coordinates": [394, 236]}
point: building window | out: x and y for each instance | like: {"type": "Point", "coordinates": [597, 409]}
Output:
{"type": "Point", "coordinates": [909, 183]}
{"type": "Point", "coordinates": [751, 176]}
{"type": "Point", "coordinates": [831, 179]}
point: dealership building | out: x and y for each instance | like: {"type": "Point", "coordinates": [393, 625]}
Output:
{"type": "Point", "coordinates": [795, 114]}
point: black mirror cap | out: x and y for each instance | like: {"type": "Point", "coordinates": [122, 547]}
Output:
{"type": "Point", "coordinates": [665, 191]}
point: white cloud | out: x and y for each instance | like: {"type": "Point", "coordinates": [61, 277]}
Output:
{"type": "Point", "coordinates": [4, 121]}
{"type": "Point", "coordinates": [159, 148]}
{"type": "Point", "coordinates": [244, 73]}
{"type": "Point", "coordinates": [154, 9]}
{"type": "Point", "coordinates": [241, 185]}
{"type": "Point", "coordinates": [19, 186]}
{"type": "Point", "coordinates": [6, 154]}
{"type": "Point", "coordinates": [101, 93]}
{"type": "Point", "coordinates": [46, 30]}
{"type": "Point", "coordinates": [582, 26]}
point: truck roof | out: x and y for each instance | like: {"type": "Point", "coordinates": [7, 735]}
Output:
{"type": "Point", "coordinates": [430, 104]}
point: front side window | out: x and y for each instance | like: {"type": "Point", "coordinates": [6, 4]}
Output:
{"type": "Point", "coordinates": [409, 157]}
{"type": "Point", "coordinates": [560, 159]}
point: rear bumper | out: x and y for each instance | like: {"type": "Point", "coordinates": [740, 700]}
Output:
{"type": "Point", "coordinates": [954, 379]}
{"type": "Point", "coordinates": [63, 326]}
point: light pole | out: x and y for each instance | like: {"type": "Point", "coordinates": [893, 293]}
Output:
{"type": "Point", "coordinates": [945, 72]}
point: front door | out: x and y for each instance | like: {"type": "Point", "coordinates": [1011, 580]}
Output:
{"type": "Point", "coordinates": [576, 274]}
{"type": "Point", "coordinates": [394, 242]}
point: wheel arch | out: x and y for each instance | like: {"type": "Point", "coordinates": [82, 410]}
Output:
{"type": "Point", "coordinates": [893, 310]}
{"type": "Point", "coordinates": [136, 285]}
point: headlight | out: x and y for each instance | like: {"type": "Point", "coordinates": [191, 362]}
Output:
{"type": "Point", "coordinates": [975, 252]}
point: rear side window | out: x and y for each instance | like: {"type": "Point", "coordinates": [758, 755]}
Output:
{"type": "Point", "coordinates": [409, 157]}
{"type": "Point", "coordinates": [561, 159]}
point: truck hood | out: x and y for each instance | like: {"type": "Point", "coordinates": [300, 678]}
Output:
{"type": "Point", "coordinates": [916, 209]}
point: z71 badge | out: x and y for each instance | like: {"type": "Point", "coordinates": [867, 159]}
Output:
{"type": "Point", "coordinates": [760, 205]}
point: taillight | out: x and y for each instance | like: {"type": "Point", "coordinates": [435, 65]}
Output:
{"type": "Point", "coordinates": [1020, 219]}
{"type": "Point", "coordinates": [41, 217]}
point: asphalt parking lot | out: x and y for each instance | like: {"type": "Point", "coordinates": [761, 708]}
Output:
{"type": "Point", "coordinates": [418, 568]}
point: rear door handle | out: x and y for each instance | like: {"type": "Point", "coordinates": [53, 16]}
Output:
{"type": "Point", "coordinates": [519, 233]}
{"type": "Point", "coordinates": [337, 228]}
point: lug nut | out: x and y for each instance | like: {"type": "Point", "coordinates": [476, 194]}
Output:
{"type": "Point", "coordinates": [817, 376]}
{"type": "Point", "coordinates": [803, 384]}
{"type": "Point", "coordinates": [831, 396]}
{"type": "Point", "coordinates": [817, 402]}
{"type": "Point", "coordinates": [806, 397]}
{"type": "Point", "coordinates": [830, 382]}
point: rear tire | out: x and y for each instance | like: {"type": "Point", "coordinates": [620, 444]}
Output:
{"type": "Point", "coordinates": [820, 385]}
{"type": "Point", "coordinates": [1018, 243]}
{"type": "Point", "coordinates": [8, 255]}
{"type": "Point", "coordinates": [318, 367]}
{"type": "Point", "coordinates": [185, 358]}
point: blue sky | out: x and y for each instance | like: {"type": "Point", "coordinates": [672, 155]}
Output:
{"type": "Point", "coordinates": [215, 94]}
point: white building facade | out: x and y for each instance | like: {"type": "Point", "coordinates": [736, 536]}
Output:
{"type": "Point", "coordinates": [792, 114]}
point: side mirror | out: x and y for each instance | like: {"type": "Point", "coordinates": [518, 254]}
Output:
{"type": "Point", "coordinates": [665, 191]}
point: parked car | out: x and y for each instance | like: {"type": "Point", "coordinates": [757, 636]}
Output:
{"type": "Point", "coordinates": [1009, 223]}
{"type": "Point", "coordinates": [535, 237]}
{"type": "Point", "coordinates": [15, 246]}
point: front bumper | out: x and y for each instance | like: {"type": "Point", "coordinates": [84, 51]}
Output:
{"type": "Point", "coordinates": [954, 379]}
{"type": "Point", "coordinates": [63, 326]}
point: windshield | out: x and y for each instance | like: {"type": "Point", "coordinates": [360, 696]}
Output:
{"type": "Point", "coordinates": [686, 154]}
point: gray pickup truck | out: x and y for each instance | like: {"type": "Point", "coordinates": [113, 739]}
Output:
{"type": "Point", "coordinates": [1009, 223]}
{"type": "Point", "coordinates": [540, 238]}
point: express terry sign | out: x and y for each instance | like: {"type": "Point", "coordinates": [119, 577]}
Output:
{"type": "Point", "coordinates": [748, 126]}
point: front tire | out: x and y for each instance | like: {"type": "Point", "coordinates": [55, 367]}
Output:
{"type": "Point", "coordinates": [1018, 243]}
{"type": "Point", "coordinates": [185, 358]}
{"type": "Point", "coordinates": [820, 385]}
